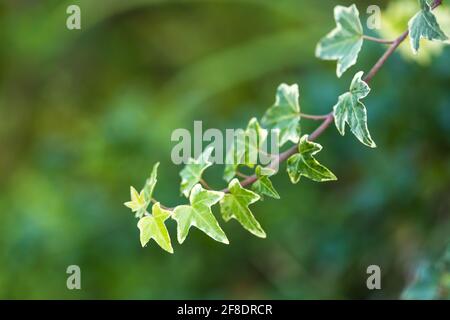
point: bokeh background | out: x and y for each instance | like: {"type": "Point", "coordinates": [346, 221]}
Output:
{"type": "Point", "coordinates": [85, 114]}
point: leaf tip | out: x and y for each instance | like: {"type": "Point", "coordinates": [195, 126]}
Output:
{"type": "Point", "coordinates": [169, 250]}
{"type": "Point", "coordinates": [262, 235]}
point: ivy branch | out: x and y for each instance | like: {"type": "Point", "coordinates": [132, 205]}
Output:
{"type": "Point", "coordinates": [342, 44]}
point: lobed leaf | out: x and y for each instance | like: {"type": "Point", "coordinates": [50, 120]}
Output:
{"type": "Point", "coordinates": [349, 109]}
{"type": "Point", "coordinates": [245, 149]}
{"type": "Point", "coordinates": [303, 163]}
{"type": "Point", "coordinates": [193, 171]}
{"type": "Point", "coordinates": [284, 115]}
{"type": "Point", "coordinates": [153, 227]}
{"type": "Point", "coordinates": [140, 201]}
{"type": "Point", "coordinates": [424, 25]}
{"type": "Point", "coordinates": [234, 205]}
{"type": "Point", "coordinates": [199, 215]}
{"type": "Point", "coordinates": [345, 41]}
{"type": "Point", "coordinates": [263, 186]}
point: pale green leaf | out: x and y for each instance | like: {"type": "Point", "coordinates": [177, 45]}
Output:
{"type": "Point", "coordinates": [193, 170]}
{"type": "Point", "coordinates": [263, 186]}
{"type": "Point", "coordinates": [284, 115]}
{"type": "Point", "coordinates": [199, 215]}
{"type": "Point", "coordinates": [303, 163]}
{"type": "Point", "coordinates": [424, 25]}
{"type": "Point", "coordinates": [234, 205]}
{"type": "Point", "coordinates": [150, 184]}
{"type": "Point", "coordinates": [245, 149]}
{"type": "Point", "coordinates": [349, 109]}
{"type": "Point", "coordinates": [137, 203]}
{"type": "Point", "coordinates": [140, 201]}
{"type": "Point", "coordinates": [345, 41]}
{"type": "Point", "coordinates": [153, 227]}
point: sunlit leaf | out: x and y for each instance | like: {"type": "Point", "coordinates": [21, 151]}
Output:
{"type": "Point", "coordinates": [153, 227]}
{"type": "Point", "coordinates": [140, 201]}
{"type": "Point", "coordinates": [137, 202]}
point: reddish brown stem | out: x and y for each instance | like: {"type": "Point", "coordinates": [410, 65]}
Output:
{"type": "Point", "coordinates": [313, 116]}
{"type": "Point", "coordinates": [392, 48]}
{"type": "Point", "coordinates": [328, 119]}
{"type": "Point", "coordinates": [378, 40]}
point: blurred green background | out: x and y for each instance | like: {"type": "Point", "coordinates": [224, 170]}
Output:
{"type": "Point", "coordinates": [85, 114]}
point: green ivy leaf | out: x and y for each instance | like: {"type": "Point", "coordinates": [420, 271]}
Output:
{"type": "Point", "coordinates": [193, 170]}
{"type": "Point", "coordinates": [345, 41]}
{"type": "Point", "coordinates": [150, 183]}
{"type": "Point", "coordinates": [153, 227]}
{"type": "Point", "coordinates": [284, 115]}
{"type": "Point", "coordinates": [349, 109]}
{"type": "Point", "coordinates": [263, 186]}
{"type": "Point", "coordinates": [424, 25]}
{"type": "Point", "coordinates": [245, 149]}
{"type": "Point", "coordinates": [140, 201]}
{"type": "Point", "coordinates": [137, 203]}
{"type": "Point", "coordinates": [304, 163]}
{"type": "Point", "coordinates": [199, 215]}
{"type": "Point", "coordinates": [234, 205]}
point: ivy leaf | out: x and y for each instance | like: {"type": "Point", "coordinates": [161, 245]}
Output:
{"type": "Point", "coordinates": [284, 115]}
{"type": "Point", "coordinates": [153, 227]}
{"type": "Point", "coordinates": [349, 109]}
{"type": "Point", "coordinates": [304, 163]}
{"type": "Point", "coordinates": [234, 205]}
{"type": "Point", "coordinates": [137, 203]}
{"type": "Point", "coordinates": [245, 149]}
{"type": "Point", "coordinates": [345, 41]}
{"type": "Point", "coordinates": [193, 170]}
{"type": "Point", "coordinates": [150, 184]}
{"type": "Point", "coordinates": [140, 201]}
{"type": "Point", "coordinates": [199, 215]}
{"type": "Point", "coordinates": [424, 25]}
{"type": "Point", "coordinates": [263, 186]}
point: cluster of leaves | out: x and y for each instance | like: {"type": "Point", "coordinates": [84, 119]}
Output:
{"type": "Point", "coordinates": [284, 117]}
{"type": "Point", "coordinates": [345, 41]}
{"type": "Point", "coordinates": [342, 44]}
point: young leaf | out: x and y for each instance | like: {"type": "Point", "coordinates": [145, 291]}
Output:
{"type": "Point", "coordinates": [192, 172]}
{"type": "Point", "coordinates": [245, 149]}
{"type": "Point", "coordinates": [153, 227]}
{"type": "Point", "coordinates": [345, 41]}
{"type": "Point", "coordinates": [137, 203]}
{"type": "Point", "coordinates": [285, 114]}
{"type": "Point", "coordinates": [234, 205]}
{"type": "Point", "coordinates": [150, 183]}
{"type": "Point", "coordinates": [140, 201]}
{"type": "Point", "coordinates": [198, 214]}
{"type": "Point", "coordinates": [263, 186]}
{"type": "Point", "coordinates": [349, 109]}
{"type": "Point", "coordinates": [304, 163]}
{"type": "Point", "coordinates": [424, 25]}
